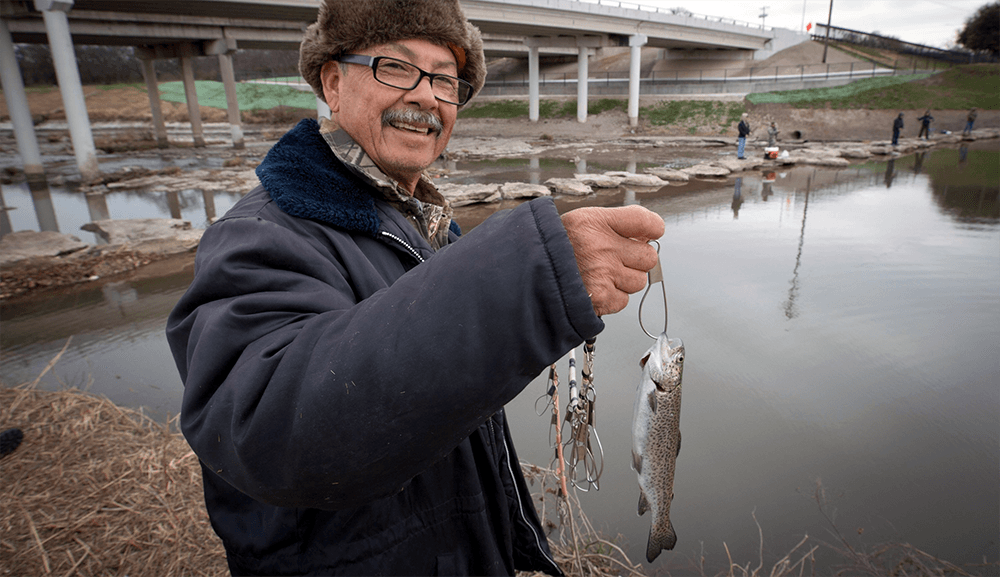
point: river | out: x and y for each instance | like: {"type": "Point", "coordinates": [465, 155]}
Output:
{"type": "Point", "coordinates": [841, 330]}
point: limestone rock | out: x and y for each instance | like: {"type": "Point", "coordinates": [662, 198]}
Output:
{"type": "Point", "coordinates": [703, 170]}
{"type": "Point", "coordinates": [27, 244]}
{"type": "Point", "coordinates": [138, 230]}
{"type": "Point", "coordinates": [599, 180]}
{"type": "Point", "coordinates": [463, 194]}
{"type": "Point", "coordinates": [668, 174]}
{"type": "Point", "coordinates": [516, 190]}
{"type": "Point", "coordinates": [570, 186]}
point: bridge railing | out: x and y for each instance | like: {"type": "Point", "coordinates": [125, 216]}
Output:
{"type": "Point", "coordinates": [675, 12]}
{"type": "Point", "coordinates": [786, 73]}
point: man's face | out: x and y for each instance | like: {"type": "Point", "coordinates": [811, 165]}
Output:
{"type": "Point", "coordinates": [358, 102]}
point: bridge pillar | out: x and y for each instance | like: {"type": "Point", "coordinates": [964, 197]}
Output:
{"type": "Point", "coordinates": [153, 91]}
{"type": "Point", "coordinates": [225, 49]}
{"type": "Point", "coordinates": [533, 83]}
{"type": "Point", "coordinates": [191, 96]}
{"type": "Point", "coordinates": [68, 75]}
{"type": "Point", "coordinates": [635, 42]}
{"type": "Point", "coordinates": [17, 104]}
{"type": "Point", "coordinates": [582, 78]}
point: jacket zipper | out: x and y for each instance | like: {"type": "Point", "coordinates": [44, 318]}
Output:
{"type": "Point", "coordinates": [403, 244]}
{"type": "Point", "coordinates": [520, 507]}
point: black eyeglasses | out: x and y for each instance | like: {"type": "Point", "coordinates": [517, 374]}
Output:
{"type": "Point", "coordinates": [402, 74]}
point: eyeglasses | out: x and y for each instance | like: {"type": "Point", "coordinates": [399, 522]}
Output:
{"type": "Point", "coordinates": [402, 74]}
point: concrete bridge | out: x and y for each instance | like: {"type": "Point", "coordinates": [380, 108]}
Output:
{"type": "Point", "coordinates": [194, 28]}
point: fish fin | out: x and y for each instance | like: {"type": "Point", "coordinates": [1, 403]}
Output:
{"type": "Point", "coordinates": [660, 540]}
{"type": "Point", "coordinates": [652, 400]}
{"type": "Point", "coordinates": [636, 462]}
{"type": "Point", "coordinates": [642, 361]}
{"type": "Point", "coordinates": [643, 503]}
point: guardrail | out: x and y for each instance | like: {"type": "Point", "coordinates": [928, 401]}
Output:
{"type": "Point", "coordinates": [675, 12]}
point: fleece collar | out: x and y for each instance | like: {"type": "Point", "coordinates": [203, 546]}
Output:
{"type": "Point", "coordinates": [306, 180]}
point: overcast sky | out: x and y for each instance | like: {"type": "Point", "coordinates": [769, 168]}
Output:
{"type": "Point", "coordinates": [930, 22]}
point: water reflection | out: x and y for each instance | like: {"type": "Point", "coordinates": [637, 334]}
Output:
{"type": "Point", "coordinates": [793, 290]}
{"type": "Point", "coordinates": [737, 197]}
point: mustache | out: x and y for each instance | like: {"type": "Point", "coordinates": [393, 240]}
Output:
{"type": "Point", "coordinates": [410, 116]}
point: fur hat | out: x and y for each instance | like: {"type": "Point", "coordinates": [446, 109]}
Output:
{"type": "Point", "coordinates": [346, 26]}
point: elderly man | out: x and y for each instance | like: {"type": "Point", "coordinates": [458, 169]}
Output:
{"type": "Point", "coordinates": [347, 354]}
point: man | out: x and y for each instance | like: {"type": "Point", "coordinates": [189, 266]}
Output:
{"type": "Point", "coordinates": [925, 125]}
{"type": "Point", "coordinates": [346, 354]}
{"type": "Point", "coordinates": [897, 125]}
{"type": "Point", "coordinates": [744, 130]}
{"type": "Point", "coordinates": [772, 135]}
{"type": "Point", "coordinates": [969, 121]}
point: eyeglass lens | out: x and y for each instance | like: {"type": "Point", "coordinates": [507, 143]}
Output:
{"type": "Point", "coordinates": [400, 74]}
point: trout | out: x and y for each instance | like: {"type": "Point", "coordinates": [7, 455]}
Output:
{"type": "Point", "coordinates": [656, 437]}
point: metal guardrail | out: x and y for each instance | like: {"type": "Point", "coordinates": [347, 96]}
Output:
{"type": "Point", "coordinates": [675, 12]}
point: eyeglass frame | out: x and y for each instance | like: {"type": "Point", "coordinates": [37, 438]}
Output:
{"type": "Point", "coordinates": [373, 62]}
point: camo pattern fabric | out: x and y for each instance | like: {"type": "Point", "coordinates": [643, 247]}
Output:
{"type": "Point", "coordinates": [426, 209]}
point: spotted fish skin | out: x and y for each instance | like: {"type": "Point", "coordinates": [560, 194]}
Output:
{"type": "Point", "coordinates": [656, 437]}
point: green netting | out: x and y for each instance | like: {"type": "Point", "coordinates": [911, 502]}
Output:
{"type": "Point", "coordinates": [832, 93]}
{"type": "Point", "coordinates": [250, 96]}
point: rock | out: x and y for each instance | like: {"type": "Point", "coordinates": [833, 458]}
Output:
{"type": "Point", "coordinates": [26, 244]}
{"type": "Point", "coordinates": [880, 150]}
{"type": "Point", "coordinates": [570, 186]}
{"type": "Point", "coordinates": [738, 165]}
{"type": "Point", "coordinates": [823, 161]}
{"type": "Point", "coordinates": [703, 170]}
{"type": "Point", "coordinates": [463, 194]}
{"type": "Point", "coordinates": [516, 190]}
{"type": "Point", "coordinates": [632, 179]}
{"type": "Point", "coordinates": [599, 180]}
{"type": "Point", "coordinates": [140, 230]}
{"type": "Point", "coordinates": [668, 174]}
{"type": "Point", "coordinates": [855, 153]}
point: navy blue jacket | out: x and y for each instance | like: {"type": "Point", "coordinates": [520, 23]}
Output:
{"type": "Point", "coordinates": [344, 383]}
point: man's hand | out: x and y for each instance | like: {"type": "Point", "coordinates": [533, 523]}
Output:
{"type": "Point", "coordinates": [612, 251]}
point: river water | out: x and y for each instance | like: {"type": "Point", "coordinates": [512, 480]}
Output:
{"type": "Point", "coordinates": [841, 330]}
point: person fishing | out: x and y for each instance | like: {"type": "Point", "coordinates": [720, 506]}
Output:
{"type": "Point", "coordinates": [925, 125]}
{"type": "Point", "coordinates": [897, 125]}
{"type": "Point", "coordinates": [347, 353]}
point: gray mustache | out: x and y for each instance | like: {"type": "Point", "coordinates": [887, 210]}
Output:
{"type": "Point", "coordinates": [410, 116]}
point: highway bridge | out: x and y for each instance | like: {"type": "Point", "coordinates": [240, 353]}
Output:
{"type": "Point", "coordinates": [195, 28]}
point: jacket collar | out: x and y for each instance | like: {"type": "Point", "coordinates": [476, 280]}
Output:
{"type": "Point", "coordinates": [305, 179]}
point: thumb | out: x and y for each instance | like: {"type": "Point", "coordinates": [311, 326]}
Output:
{"type": "Point", "coordinates": [634, 222]}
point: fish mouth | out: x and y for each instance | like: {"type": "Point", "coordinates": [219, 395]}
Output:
{"type": "Point", "coordinates": [414, 121]}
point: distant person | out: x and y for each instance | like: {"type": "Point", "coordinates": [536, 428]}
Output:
{"type": "Point", "coordinates": [925, 125]}
{"type": "Point", "coordinates": [772, 135]}
{"type": "Point", "coordinates": [969, 121]}
{"type": "Point", "coordinates": [744, 131]}
{"type": "Point", "coordinates": [897, 125]}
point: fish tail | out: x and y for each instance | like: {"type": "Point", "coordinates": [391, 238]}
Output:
{"type": "Point", "coordinates": [660, 538]}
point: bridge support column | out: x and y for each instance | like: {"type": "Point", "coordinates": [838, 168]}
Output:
{"type": "Point", "coordinates": [155, 108]}
{"type": "Point", "coordinates": [17, 104]}
{"type": "Point", "coordinates": [635, 42]}
{"type": "Point", "coordinates": [582, 76]}
{"type": "Point", "coordinates": [191, 96]}
{"type": "Point", "coordinates": [533, 83]}
{"type": "Point", "coordinates": [225, 49]}
{"type": "Point", "coordinates": [68, 75]}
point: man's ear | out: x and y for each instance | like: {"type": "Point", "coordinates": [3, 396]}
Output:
{"type": "Point", "coordinates": [330, 75]}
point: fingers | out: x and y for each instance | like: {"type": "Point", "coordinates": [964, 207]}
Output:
{"type": "Point", "coordinates": [611, 251]}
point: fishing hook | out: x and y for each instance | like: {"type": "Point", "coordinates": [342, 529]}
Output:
{"type": "Point", "coordinates": [655, 276]}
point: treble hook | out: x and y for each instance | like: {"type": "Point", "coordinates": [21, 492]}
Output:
{"type": "Point", "coordinates": [655, 276]}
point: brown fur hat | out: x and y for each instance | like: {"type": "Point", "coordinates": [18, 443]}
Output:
{"type": "Point", "coordinates": [346, 26]}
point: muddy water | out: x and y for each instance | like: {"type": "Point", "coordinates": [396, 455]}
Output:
{"type": "Point", "coordinates": [841, 329]}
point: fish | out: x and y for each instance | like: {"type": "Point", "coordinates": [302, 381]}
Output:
{"type": "Point", "coordinates": [656, 437]}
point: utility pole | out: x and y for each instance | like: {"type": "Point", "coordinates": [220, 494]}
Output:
{"type": "Point", "coordinates": [826, 42]}
{"type": "Point", "coordinates": [763, 15]}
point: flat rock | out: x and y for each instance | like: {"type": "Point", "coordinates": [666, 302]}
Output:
{"type": "Point", "coordinates": [737, 164]}
{"type": "Point", "coordinates": [516, 190]}
{"type": "Point", "coordinates": [668, 174]}
{"type": "Point", "coordinates": [824, 161]}
{"type": "Point", "coordinates": [27, 244]}
{"type": "Point", "coordinates": [599, 180]}
{"type": "Point", "coordinates": [855, 153]}
{"type": "Point", "coordinates": [703, 170]}
{"type": "Point", "coordinates": [633, 179]}
{"type": "Point", "coordinates": [570, 186]}
{"type": "Point", "coordinates": [464, 194]}
{"type": "Point", "coordinates": [140, 230]}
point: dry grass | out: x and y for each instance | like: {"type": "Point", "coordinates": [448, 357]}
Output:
{"type": "Point", "coordinates": [96, 489]}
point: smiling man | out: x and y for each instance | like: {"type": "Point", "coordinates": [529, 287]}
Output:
{"type": "Point", "coordinates": [346, 353]}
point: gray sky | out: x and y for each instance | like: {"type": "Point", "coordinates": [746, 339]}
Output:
{"type": "Point", "coordinates": [930, 22]}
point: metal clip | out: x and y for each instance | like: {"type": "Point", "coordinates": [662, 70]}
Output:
{"type": "Point", "coordinates": [655, 276]}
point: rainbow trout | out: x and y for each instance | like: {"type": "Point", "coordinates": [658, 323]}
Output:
{"type": "Point", "coordinates": [656, 437]}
